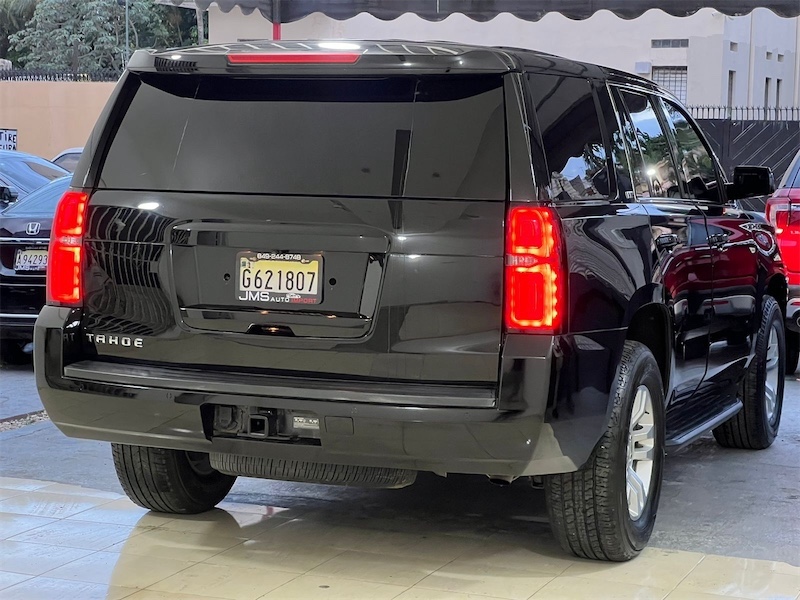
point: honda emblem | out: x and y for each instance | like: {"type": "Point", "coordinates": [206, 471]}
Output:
{"type": "Point", "coordinates": [33, 228]}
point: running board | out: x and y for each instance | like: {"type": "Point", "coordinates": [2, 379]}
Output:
{"type": "Point", "coordinates": [684, 439]}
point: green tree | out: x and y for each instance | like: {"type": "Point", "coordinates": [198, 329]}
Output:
{"type": "Point", "coordinates": [88, 35]}
{"type": "Point", "coordinates": [13, 16]}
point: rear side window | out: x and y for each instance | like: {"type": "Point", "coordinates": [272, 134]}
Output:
{"type": "Point", "coordinates": [654, 145]}
{"type": "Point", "coordinates": [622, 163]}
{"type": "Point", "coordinates": [439, 137]}
{"type": "Point", "coordinates": [572, 136]}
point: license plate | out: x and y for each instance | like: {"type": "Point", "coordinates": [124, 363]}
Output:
{"type": "Point", "coordinates": [279, 278]}
{"type": "Point", "coordinates": [30, 260]}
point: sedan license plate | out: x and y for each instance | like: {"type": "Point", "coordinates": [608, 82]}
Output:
{"type": "Point", "coordinates": [30, 260]}
{"type": "Point", "coordinates": [279, 278]}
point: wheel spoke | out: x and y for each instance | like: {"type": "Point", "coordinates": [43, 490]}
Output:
{"type": "Point", "coordinates": [637, 494]}
{"type": "Point", "coordinates": [643, 434]}
{"type": "Point", "coordinates": [769, 399]}
{"type": "Point", "coordinates": [644, 453]}
{"type": "Point", "coordinates": [639, 407]}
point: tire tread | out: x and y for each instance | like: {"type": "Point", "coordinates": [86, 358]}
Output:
{"type": "Point", "coordinates": [156, 479]}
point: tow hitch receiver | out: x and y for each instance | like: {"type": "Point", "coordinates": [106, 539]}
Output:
{"type": "Point", "coordinates": [271, 424]}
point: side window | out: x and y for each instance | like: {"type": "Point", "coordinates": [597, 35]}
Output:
{"type": "Point", "coordinates": [696, 165]}
{"type": "Point", "coordinates": [619, 153]}
{"type": "Point", "coordinates": [572, 137]}
{"type": "Point", "coordinates": [624, 143]}
{"type": "Point", "coordinates": [654, 144]}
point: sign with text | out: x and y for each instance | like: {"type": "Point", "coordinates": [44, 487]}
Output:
{"type": "Point", "coordinates": [8, 139]}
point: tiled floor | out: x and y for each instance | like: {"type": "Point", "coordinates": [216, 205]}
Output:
{"type": "Point", "coordinates": [64, 542]}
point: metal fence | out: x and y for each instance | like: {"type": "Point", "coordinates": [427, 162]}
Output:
{"type": "Point", "coordinates": [46, 75]}
{"type": "Point", "coordinates": [771, 144]}
{"type": "Point", "coordinates": [746, 113]}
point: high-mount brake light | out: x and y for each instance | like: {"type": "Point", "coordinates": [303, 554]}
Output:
{"type": "Point", "coordinates": [534, 280]}
{"type": "Point", "coordinates": [293, 58]}
{"type": "Point", "coordinates": [783, 213]}
{"type": "Point", "coordinates": [65, 256]}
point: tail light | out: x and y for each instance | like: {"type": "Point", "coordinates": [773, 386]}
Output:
{"type": "Point", "coordinates": [534, 288]}
{"type": "Point", "coordinates": [783, 212]}
{"type": "Point", "coordinates": [65, 257]}
{"type": "Point", "coordinates": [293, 58]}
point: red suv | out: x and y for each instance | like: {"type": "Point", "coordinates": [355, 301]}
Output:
{"type": "Point", "coordinates": [783, 212]}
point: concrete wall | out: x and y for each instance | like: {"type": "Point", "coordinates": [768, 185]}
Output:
{"type": "Point", "coordinates": [233, 26]}
{"type": "Point", "coordinates": [51, 116]}
{"type": "Point", "coordinates": [756, 35]}
{"type": "Point", "coordinates": [603, 38]}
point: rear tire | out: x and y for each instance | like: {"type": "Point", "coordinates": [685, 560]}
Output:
{"type": "Point", "coordinates": [602, 511]}
{"type": "Point", "coordinates": [169, 481]}
{"type": "Point", "coordinates": [756, 425]}
{"type": "Point", "coordinates": [792, 351]}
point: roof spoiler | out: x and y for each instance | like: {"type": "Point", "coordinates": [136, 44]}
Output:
{"type": "Point", "coordinates": [268, 58]}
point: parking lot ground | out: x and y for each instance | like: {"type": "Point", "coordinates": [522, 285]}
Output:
{"type": "Point", "coordinates": [62, 541]}
{"type": "Point", "coordinates": [440, 538]}
{"type": "Point", "coordinates": [17, 392]}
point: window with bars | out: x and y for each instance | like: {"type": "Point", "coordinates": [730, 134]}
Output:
{"type": "Point", "coordinates": [673, 79]}
{"type": "Point", "coordinates": [680, 43]}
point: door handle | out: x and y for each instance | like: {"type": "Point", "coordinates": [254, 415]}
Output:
{"type": "Point", "coordinates": [666, 241]}
{"type": "Point", "coordinates": [718, 240]}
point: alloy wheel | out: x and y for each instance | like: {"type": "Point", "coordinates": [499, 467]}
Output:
{"type": "Point", "coordinates": [773, 374]}
{"type": "Point", "coordinates": [641, 452]}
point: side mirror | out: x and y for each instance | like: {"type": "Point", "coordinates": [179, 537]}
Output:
{"type": "Point", "coordinates": [751, 181]}
{"type": "Point", "coordinates": [7, 195]}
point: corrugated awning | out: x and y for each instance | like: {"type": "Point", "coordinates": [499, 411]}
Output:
{"type": "Point", "coordinates": [287, 11]}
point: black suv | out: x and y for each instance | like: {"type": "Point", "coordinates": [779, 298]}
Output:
{"type": "Point", "coordinates": [346, 263]}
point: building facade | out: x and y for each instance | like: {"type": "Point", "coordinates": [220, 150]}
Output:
{"type": "Point", "coordinates": [705, 59]}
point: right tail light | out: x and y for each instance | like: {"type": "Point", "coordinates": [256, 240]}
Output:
{"type": "Point", "coordinates": [783, 213]}
{"type": "Point", "coordinates": [534, 287]}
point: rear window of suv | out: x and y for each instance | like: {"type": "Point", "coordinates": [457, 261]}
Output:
{"type": "Point", "coordinates": [428, 137]}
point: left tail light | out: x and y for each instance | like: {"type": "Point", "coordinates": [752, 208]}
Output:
{"type": "Point", "coordinates": [65, 256]}
{"type": "Point", "coordinates": [783, 213]}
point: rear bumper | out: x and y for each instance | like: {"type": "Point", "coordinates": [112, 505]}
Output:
{"type": "Point", "coordinates": [442, 440]}
{"type": "Point", "coordinates": [539, 433]}
{"type": "Point", "coordinates": [793, 308]}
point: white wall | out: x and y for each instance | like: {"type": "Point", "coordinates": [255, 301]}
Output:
{"type": "Point", "coordinates": [235, 25]}
{"type": "Point", "coordinates": [756, 34]}
{"type": "Point", "coordinates": [603, 38]}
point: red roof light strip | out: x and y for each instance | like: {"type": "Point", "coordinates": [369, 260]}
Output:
{"type": "Point", "coordinates": [293, 58]}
